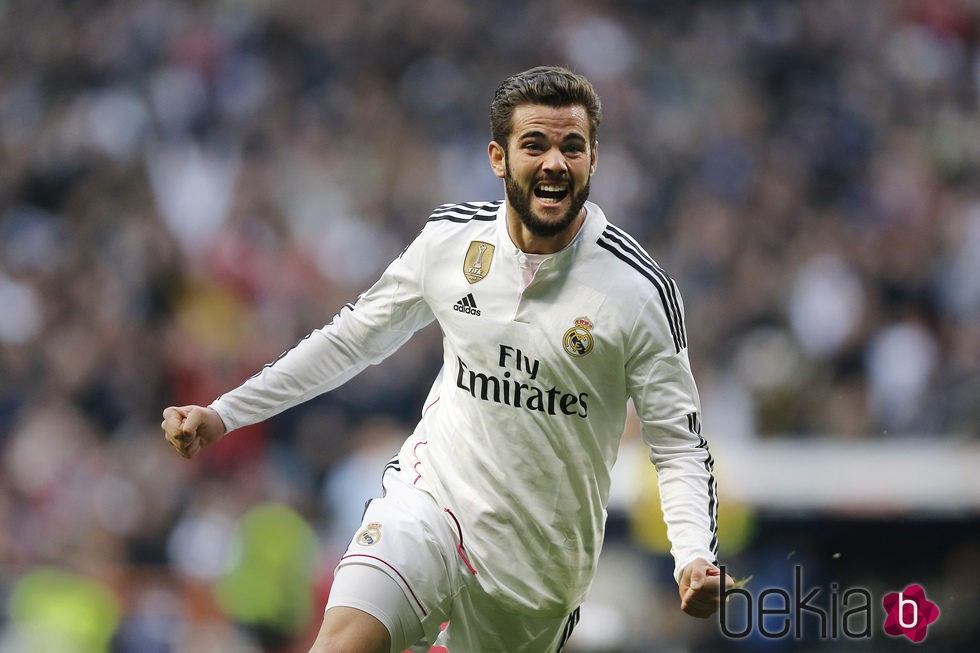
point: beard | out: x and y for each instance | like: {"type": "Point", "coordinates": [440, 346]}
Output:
{"type": "Point", "coordinates": [520, 198]}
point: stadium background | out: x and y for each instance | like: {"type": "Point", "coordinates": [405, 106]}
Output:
{"type": "Point", "coordinates": [186, 188]}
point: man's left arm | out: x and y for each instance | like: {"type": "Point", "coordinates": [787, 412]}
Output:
{"type": "Point", "coordinates": [667, 403]}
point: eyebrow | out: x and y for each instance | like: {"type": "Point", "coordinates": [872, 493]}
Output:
{"type": "Point", "coordinates": [537, 134]}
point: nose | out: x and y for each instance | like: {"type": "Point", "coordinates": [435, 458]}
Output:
{"type": "Point", "coordinates": [554, 161]}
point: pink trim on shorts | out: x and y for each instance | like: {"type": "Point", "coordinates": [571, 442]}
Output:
{"type": "Point", "coordinates": [387, 564]}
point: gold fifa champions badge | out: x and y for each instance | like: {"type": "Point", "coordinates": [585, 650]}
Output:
{"type": "Point", "coordinates": [476, 265]}
{"type": "Point", "coordinates": [369, 535]}
{"type": "Point", "coordinates": [578, 340]}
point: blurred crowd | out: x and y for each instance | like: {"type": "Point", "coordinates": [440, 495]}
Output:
{"type": "Point", "coordinates": [188, 187]}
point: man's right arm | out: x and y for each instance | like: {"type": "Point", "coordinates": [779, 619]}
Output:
{"type": "Point", "coordinates": [361, 334]}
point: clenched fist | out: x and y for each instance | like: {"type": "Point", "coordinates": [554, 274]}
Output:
{"type": "Point", "coordinates": [191, 428]}
{"type": "Point", "coordinates": [700, 588]}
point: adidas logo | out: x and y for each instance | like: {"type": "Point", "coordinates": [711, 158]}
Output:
{"type": "Point", "coordinates": [467, 305]}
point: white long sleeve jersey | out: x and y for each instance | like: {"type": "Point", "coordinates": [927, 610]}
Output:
{"type": "Point", "coordinates": [522, 425]}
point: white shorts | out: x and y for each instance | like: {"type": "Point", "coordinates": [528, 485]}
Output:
{"type": "Point", "coordinates": [417, 544]}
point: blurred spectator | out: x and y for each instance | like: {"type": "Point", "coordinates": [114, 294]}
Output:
{"type": "Point", "coordinates": [268, 588]}
{"type": "Point", "coordinates": [56, 610]}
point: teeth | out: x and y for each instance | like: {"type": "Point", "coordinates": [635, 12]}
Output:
{"type": "Point", "coordinates": [551, 188]}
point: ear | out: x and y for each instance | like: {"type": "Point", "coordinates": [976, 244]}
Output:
{"type": "Point", "coordinates": [498, 156]}
{"type": "Point", "coordinates": [595, 158]}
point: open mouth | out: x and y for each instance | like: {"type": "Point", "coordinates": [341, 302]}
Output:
{"type": "Point", "coordinates": [551, 193]}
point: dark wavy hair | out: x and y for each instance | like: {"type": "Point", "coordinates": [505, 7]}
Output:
{"type": "Point", "coordinates": [551, 86]}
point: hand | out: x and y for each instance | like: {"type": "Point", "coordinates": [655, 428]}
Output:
{"type": "Point", "coordinates": [700, 587]}
{"type": "Point", "coordinates": [191, 428]}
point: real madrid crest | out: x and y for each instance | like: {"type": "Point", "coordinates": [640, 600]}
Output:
{"type": "Point", "coordinates": [369, 535]}
{"type": "Point", "coordinates": [578, 340]}
{"type": "Point", "coordinates": [476, 265]}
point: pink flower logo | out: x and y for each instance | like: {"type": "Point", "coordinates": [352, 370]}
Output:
{"type": "Point", "coordinates": [909, 613]}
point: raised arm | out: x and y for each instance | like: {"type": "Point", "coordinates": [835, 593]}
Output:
{"type": "Point", "coordinates": [361, 334]}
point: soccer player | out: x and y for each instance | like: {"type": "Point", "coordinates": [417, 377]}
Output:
{"type": "Point", "coordinates": [553, 318]}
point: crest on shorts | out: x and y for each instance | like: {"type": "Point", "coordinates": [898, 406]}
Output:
{"type": "Point", "coordinates": [578, 340]}
{"type": "Point", "coordinates": [369, 535]}
{"type": "Point", "coordinates": [476, 265]}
